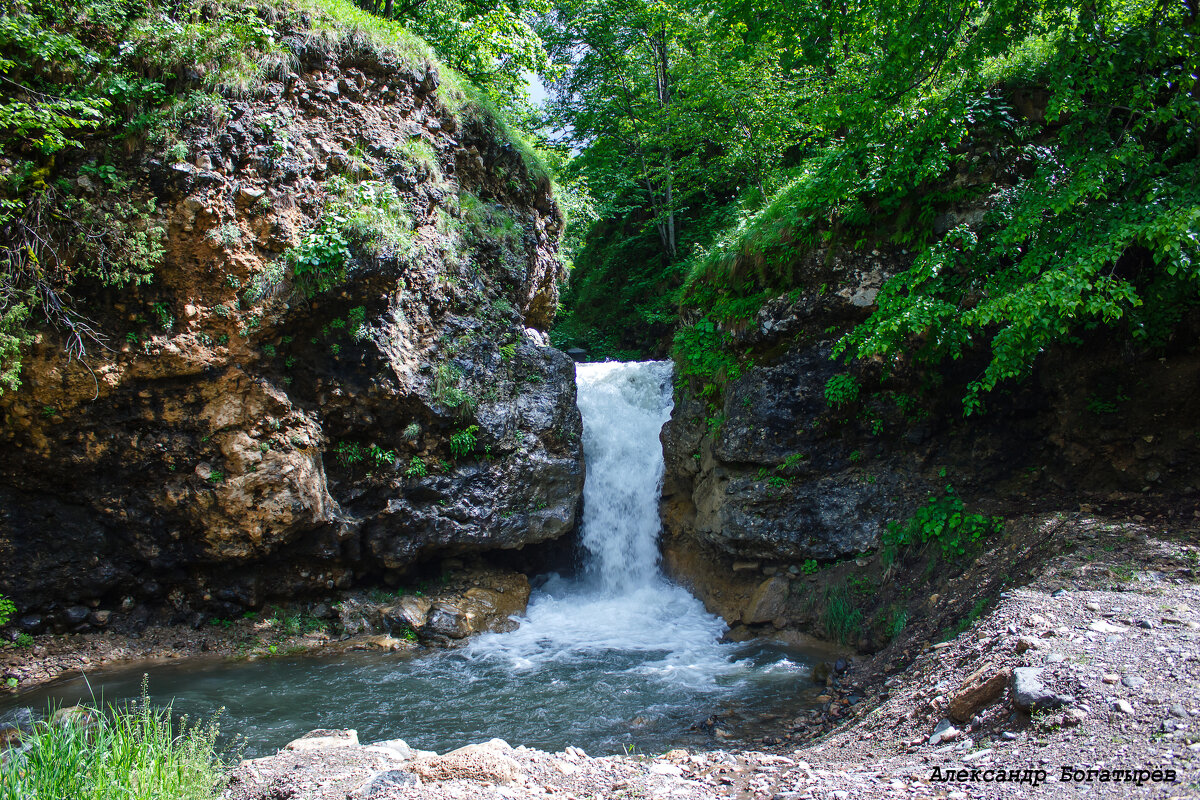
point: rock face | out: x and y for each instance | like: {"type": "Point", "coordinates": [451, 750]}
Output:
{"type": "Point", "coordinates": [247, 437]}
{"type": "Point", "coordinates": [774, 476]}
{"type": "Point", "coordinates": [474, 602]}
{"type": "Point", "coordinates": [781, 477]}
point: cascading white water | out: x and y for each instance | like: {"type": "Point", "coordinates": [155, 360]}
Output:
{"type": "Point", "coordinates": [622, 603]}
{"type": "Point", "coordinates": [624, 406]}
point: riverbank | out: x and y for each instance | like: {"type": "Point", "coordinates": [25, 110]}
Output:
{"type": "Point", "coordinates": [1109, 622]}
{"type": "Point", "coordinates": [1112, 636]}
{"type": "Point", "coordinates": [462, 601]}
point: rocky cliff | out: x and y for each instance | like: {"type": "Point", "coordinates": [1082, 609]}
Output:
{"type": "Point", "coordinates": [338, 373]}
{"type": "Point", "coordinates": [776, 498]}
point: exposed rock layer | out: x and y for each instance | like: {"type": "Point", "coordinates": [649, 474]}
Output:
{"type": "Point", "coordinates": [778, 478]}
{"type": "Point", "coordinates": [243, 440]}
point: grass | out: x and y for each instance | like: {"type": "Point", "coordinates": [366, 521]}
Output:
{"type": "Point", "coordinates": [843, 619]}
{"type": "Point", "coordinates": [136, 752]}
{"type": "Point", "coordinates": [342, 24]}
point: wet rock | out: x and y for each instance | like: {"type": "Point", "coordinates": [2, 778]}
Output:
{"type": "Point", "coordinates": [10, 736]}
{"type": "Point", "coordinates": [944, 732]}
{"type": "Point", "coordinates": [409, 613]}
{"type": "Point", "coordinates": [74, 717]}
{"type": "Point", "coordinates": [76, 615]}
{"type": "Point", "coordinates": [323, 739]}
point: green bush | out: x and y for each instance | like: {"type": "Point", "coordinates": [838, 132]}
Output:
{"type": "Point", "coordinates": [350, 454]}
{"type": "Point", "coordinates": [135, 752]}
{"type": "Point", "coordinates": [943, 522]}
{"type": "Point", "coordinates": [416, 468]}
{"type": "Point", "coordinates": [463, 442]}
{"type": "Point", "coordinates": [841, 390]}
{"type": "Point", "coordinates": [843, 619]}
{"type": "Point", "coordinates": [7, 609]}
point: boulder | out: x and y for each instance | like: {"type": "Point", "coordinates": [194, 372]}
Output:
{"type": "Point", "coordinates": [476, 762]}
{"type": "Point", "coordinates": [769, 601]}
{"type": "Point", "coordinates": [1028, 693]}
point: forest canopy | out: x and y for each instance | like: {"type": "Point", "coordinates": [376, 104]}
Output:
{"type": "Point", "coordinates": [726, 141]}
{"type": "Point", "coordinates": [704, 150]}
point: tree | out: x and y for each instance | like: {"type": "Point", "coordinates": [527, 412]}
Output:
{"type": "Point", "coordinates": [492, 42]}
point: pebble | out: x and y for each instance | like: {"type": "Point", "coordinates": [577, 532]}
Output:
{"type": "Point", "coordinates": [1124, 707]}
{"type": "Point", "coordinates": [1134, 681]}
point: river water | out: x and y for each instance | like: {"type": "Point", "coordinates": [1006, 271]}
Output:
{"type": "Point", "coordinates": [617, 658]}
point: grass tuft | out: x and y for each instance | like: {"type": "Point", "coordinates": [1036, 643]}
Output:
{"type": "Point", "coordinates": [134, 752]}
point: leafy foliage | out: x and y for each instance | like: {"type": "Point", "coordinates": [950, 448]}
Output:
{"type": "Point", "coordinates": [416, 468]}
{"type": "Point", "coordinates": [841, 390]}
{"type": "Point", "coordinates": [350, 454]}
{"type": "Point", "coordinates": [462, 443]}
{"type": "Point", "coordinates": [492, 43]}
{"type": "Point", "coordinates": [774, 134]}
{"type": "Point", "coordinates": [944, 522]}
{"type": "Point", "coordinates": [7, 609]}
{"type": "Point", "coordinates": [368, 218]}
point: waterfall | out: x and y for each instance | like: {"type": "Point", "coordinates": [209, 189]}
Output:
{"type": "Point", "coordinates": [624, 406]}
{"type": "Point", "coordinates": [623, 603]}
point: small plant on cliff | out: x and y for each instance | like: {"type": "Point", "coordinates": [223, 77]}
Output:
{"type": "Point", "coordinates": [319, 262]}
{"type": "Point", "coordinates": [227, 235]}
{"type": "Point", "coordinates": [379, 457]}
{"type": "Point", "coordinates": [7, 609]}
{"type": "Point", "coordinates": [447, 392]}
{"type": "Point", "coordinates": [841, 390]}
{"type": "Point", "coordinates": [416, 468]}
{"type": "Point", "coordinates": [843, 619]}
{"type": "Point", "coordinates": [463, 442]}
{"type": "Point", "coordinates": [942, 520]}
{"type": "Point", "coordinates": [418, 151]}
{"type": "Point", "coordinates": [896, 621]}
